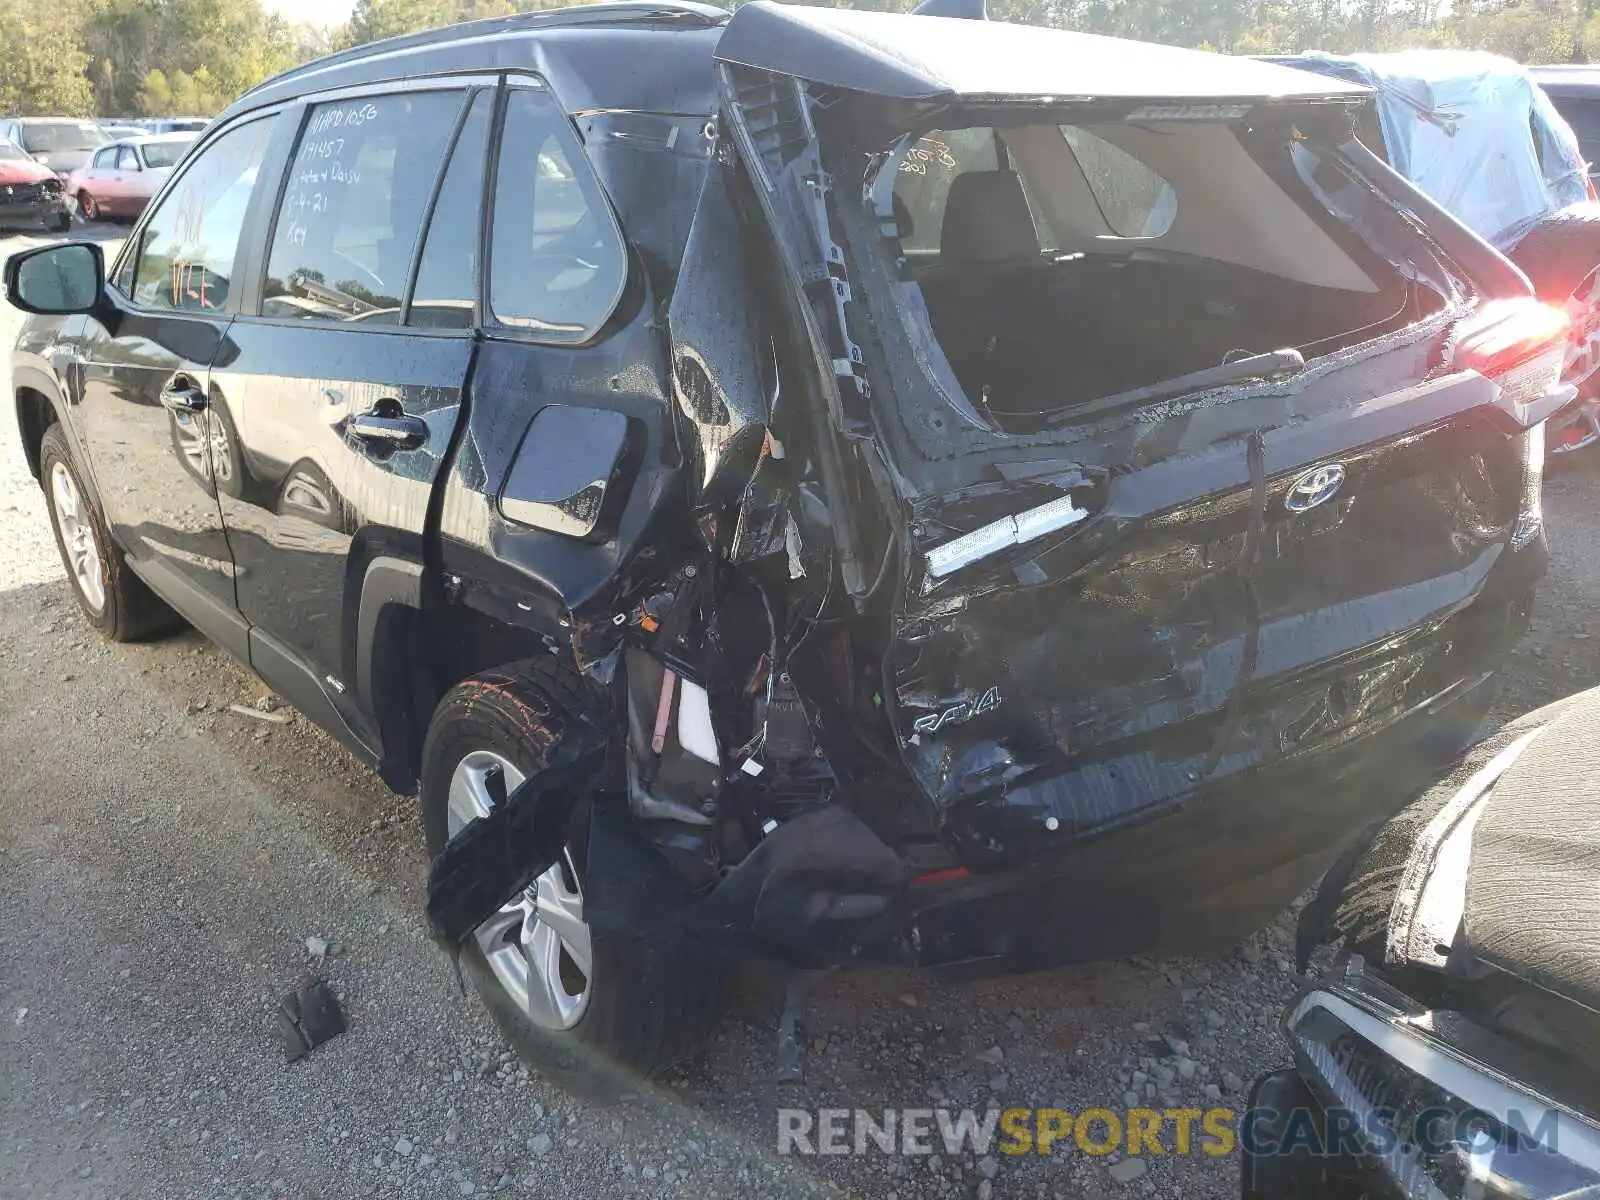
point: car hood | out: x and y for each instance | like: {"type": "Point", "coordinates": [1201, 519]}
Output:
{"type": "Point", "coordinates": [21, 170]}
{"type": "Point", "coordinates": [1531, 905]}
{"type": "Point", "coordinates": [922, 58]}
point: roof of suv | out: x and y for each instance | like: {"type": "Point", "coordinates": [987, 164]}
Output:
{"type": "Point", "coordinates": [912, 57]}
{"type": "Point", "coordinates": [651, 55]}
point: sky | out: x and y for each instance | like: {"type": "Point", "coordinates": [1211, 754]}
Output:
{"type": "Point", "coordinates": [313, 12]}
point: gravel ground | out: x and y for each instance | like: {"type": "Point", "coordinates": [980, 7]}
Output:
{"type": "Point", "coordinates": [163, 861]}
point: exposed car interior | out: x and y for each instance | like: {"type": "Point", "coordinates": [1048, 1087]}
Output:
{"type": "Point", "coordinates": [1062, 263]}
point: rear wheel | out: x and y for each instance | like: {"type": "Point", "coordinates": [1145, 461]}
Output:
{"type": "Point", "coordinates": [113, 599]}
{"type": "Point", "coordinates": [586, 1006]}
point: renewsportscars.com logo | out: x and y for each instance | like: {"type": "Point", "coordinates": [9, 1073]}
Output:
{"type": "Point", "coordinates": [1135, 1131]}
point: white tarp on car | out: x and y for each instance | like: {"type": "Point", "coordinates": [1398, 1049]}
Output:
{"type": "Point", "coordinates": [1474, 132]}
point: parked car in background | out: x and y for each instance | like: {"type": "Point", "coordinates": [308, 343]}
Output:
{"type": "Point", "coordinates": [30, 192]}
{"type": "Point", "coordinates": [1575, 91]}
{"type": "Point", "coordinates": [1453, 1050]}
{"type": "Point", "coordinates": [116, 131]}
{"type": "Point", "coordinates": [176, 124]}
{"type": "Point", "coordinates": [62, 144]}
{"type": "Point", "coordinates": [120, 179]}
{"type": "Point", "coordinates": [874, 478]}
{"type": "Point", "coordinates": [1475, 132]}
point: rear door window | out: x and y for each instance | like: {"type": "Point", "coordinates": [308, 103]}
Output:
{"type": "Point", "coordinates": [353, 204]}
{"type": "Point", "coordinates": [557, 265]}
{"type": "Point", "coordinates": [446, 292]}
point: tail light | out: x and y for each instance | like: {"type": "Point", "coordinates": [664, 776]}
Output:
{"type": "Point", "coordinates": [1520, 344]}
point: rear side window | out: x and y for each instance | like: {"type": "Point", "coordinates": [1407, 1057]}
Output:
{"type": "Point", "coordinates": [557, 264]}
{"type": "Point", "coordinates": [186, 253]}
{"type": "Point", "coordinates": [1133, 199]}
{"type": "Point", "coordinates": [353, 205]}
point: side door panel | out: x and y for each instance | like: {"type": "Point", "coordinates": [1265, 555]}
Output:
{"type": "Point", "coordinates": [340, 401]}
{"type": "Point", "coordinates": [143, 367]}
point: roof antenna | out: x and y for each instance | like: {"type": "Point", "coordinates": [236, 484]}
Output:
{"type": "Point", "coordinates": [970, 10]}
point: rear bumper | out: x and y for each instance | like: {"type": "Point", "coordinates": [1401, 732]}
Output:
{"type": "Point", "coordinates": [1217, 862]}
{"type": "Point", "coordinates": [1206, 874]}
{"type": "Point", "coordinates": [1217, 865]}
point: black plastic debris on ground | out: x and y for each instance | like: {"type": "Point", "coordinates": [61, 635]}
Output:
{"type": "Point", "coordinates": [308, 1016]}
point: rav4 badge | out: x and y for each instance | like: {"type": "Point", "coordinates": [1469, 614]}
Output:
{"type": "Point", "coordinates": [1315, 487]}
{"type": "Point", "coordinates": [957, 713]}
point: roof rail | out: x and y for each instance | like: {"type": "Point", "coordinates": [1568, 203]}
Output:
{"type": "Point", "coordinates": [610, 12]}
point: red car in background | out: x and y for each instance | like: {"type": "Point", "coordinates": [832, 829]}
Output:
{"type": "Point", "coordinates": [30, 191]}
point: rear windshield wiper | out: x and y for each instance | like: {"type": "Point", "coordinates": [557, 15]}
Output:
{"type": "Point", "coordinates": [1275, 364]}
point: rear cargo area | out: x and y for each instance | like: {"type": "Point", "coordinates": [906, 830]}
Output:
{"type": "Point", "coordinates": [1065, 265]}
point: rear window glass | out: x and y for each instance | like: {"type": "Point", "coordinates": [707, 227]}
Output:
{"type": "Point", "coordinates": [61, 135]}
{"type": "Point", "coordinates": [1133, 199]}
{"type": "Point", "coordinates": [164, 154]}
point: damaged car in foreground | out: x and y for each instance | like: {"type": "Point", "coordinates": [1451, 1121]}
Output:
{"type": "Point", "coordinates": [1451, 1052]}
{"type": "Point", "coordinates": [851, 487]}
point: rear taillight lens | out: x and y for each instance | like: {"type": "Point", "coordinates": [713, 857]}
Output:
{"type": "Point", "coordinates": [1520, 344]}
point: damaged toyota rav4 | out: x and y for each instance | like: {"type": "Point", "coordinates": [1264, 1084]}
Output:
{"type": "Point", "coordinates": [811, 485]}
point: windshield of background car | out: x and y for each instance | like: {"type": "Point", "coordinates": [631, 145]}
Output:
{"type": "Point", "coordinates": [10, 151]}
{"type": "Point", "coordinates": [61, 135]}
{"type": "Point", "coordinates": [165, 154]}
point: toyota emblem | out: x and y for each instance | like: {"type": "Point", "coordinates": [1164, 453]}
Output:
{"type": "Point", "coordinates": [1316, 486]}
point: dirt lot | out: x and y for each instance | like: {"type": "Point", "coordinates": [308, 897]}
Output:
{"type": "Point", "coordinates": [163, 861]}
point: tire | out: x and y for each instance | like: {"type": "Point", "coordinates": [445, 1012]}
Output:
{"type": "Point", "coordinates": [89, 207]}
{"type": "Point", "coordinates": [58, 222]}
{"type": "Point", "coordinates": [114, 600]}
{"type": "Point", "coordinates": [643, 1007]}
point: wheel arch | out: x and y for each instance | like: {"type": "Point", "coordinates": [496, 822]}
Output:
{"type": "Point", "coordinates": [414, 639]}
{"type": "Point", "coordinates": [38, 408]}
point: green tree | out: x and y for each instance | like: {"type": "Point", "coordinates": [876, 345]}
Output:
{"type": "Point", "coordinates": [42, 61]}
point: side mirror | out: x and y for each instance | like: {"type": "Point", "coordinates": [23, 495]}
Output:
{"type": "Point", "coordinates": [57, 280]}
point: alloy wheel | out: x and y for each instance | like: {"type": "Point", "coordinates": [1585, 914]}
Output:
{"type": "Point", "coordinates": [77, 535]}
{"type": "Point", "coordinates": [538, 945]}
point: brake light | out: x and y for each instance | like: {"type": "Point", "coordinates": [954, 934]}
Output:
{"type": "Point", "coordinates": [1520, 344]}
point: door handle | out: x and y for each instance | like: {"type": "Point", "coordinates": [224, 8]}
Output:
{"type": "Point", "coordinates": [183, 397]}
{"type": "Point", "coordinates": [401, 432]}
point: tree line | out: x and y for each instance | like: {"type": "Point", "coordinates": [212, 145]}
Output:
{"type": "Point", "coordinates": [191, 57]}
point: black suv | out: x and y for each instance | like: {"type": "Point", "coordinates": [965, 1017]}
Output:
{"type": "Point", "coordinates": [826, 485]}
